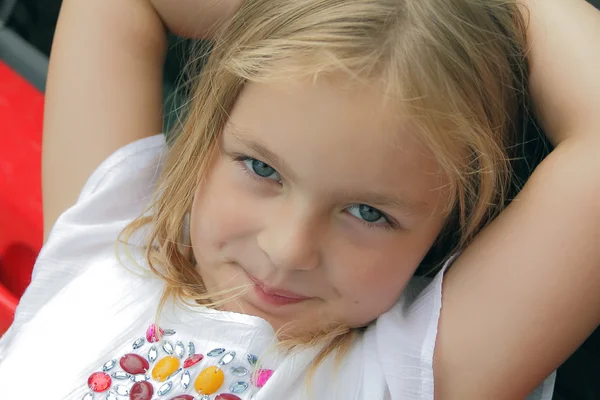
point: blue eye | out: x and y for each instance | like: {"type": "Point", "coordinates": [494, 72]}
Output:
{"type": "Point", "coordinates": [261, 169]}
{"type": "Point", "coordinates": [366, 213]}
{"type": "Point", "coordinates": [372, 217]}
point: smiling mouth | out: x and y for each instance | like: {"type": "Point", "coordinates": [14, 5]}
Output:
{"type": "Point", "coordinates": [275, 296]}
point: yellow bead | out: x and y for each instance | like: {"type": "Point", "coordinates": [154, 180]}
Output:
{"type": "Point", "coordinates": [164, 368]}
{"type": "Point", "coordinates": [209, 380]}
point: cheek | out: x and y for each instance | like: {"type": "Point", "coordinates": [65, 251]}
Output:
{"type": "Point", "coordinates": [383, 264]}
{"type": "Point", "coordinates": [221, 209]}
{"type": "Point", "coordinates": [373, 292]}
{"type": "Point", "coordinates": [370, 281]}
{"type": "Point", "coordinates": [378, 283]}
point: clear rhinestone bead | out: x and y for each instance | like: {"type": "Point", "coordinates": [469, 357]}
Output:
{"type": "Point", "coordinates": [120, 375]}
{"type": "Point", "coordinates": [252, 359]}
{"type": "Point", "coordinates": [238, 387]}
{"type": "Point", "coordinates": [216, 352]}
{"type": "Point", "coordinates": [140, 378]}
{"type": "Point", "coordinates": [227, 358]}
{"type": "Point", "coordinates": [169, 332]}
{"type": "Point", "coordinates": [185, 379]}
{"type": "Point", "coordinates": [191, 349]}
{"type": "Point", "coordinates": [239, 371]}
{"type": "Point", "coordinates": [205, 397]}
{"type": "Point", "coordinates": [109, 365]}
{"type": "Point", "coordinates": [168, 347]}
{"type": "Point", "coordinates": [122, 390]}
{"type": "Point", "coordinates": [152, 354]}
{"type": "Point", "coordinates": [165, 388]}
{"type": "Point", "coordinates": [88, 396]}
{"type": "Point", "coordinates": [179, 349]}
{"type": "Point", "coordinates": [111, 396]}
{"type": "Point", "coordinates": [138, 343]}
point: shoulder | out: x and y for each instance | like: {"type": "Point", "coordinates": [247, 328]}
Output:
{"type": "Point", "coordinates": [126, 164]}
{"type": "Point", "coordinates": [117, 192]}
{"type": "Point", "coordinates": [120, 189]}
{"type": "Point", "coordinates": [405, 338]}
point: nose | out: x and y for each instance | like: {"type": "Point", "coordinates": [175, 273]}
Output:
{"type": "Point", "coordinates": [291, 240]}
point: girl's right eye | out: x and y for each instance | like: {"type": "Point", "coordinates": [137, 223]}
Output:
{"type": "Point", "coordinates": [260, 170]}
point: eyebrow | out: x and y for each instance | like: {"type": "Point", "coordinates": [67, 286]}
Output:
{"type": "Point", "coordinates": [374, 199]}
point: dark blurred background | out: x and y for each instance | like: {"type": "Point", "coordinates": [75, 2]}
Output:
{"type": "Point", "coordinates": [34, 20]}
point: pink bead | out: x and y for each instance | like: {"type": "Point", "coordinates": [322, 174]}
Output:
{"type": "Point", "coordinates": [152, 334]}
{"type": "Point", "coordinates": [262, 376]}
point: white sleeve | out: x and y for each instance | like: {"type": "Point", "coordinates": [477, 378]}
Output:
{"type": "Point", "coordinates": [126, 163]}
{"type": "Point", "coordinates": [405, 340]}
{"type": "Point", "coordinates": [116, 192]}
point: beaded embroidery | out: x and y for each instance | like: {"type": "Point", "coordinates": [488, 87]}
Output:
{"type": "Point", "coordinates": [152, 370]}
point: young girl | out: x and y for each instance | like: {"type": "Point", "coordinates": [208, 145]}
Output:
{"type": "Point", "coordinates": [328, 149]}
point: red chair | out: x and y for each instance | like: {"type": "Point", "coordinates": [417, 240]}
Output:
{"type": "Point", "coordinates": [21, 111]}
{"type": "Point", "coordinates": [23, 71]}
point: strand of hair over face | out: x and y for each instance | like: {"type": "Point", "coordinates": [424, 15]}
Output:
{"type": "Point", "coordinates": [456, 68]}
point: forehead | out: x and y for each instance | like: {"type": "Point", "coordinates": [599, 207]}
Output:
{"type": "Point", "coordinates": [336, 135]}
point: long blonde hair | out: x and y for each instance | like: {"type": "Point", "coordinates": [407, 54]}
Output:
{"type": "Point", "coordinates": [456, 67]}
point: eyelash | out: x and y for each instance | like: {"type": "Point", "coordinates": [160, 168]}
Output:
{"type": "Point", "coordinates": [240, 162]}
{"type": "Point", "coordinates": [390, 224]}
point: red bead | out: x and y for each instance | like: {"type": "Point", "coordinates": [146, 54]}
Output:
{"type": "Point", "coordinates": [192, 360]}
{"type": "Point", "coordinates": [141, 391]}
{"type": "Point", "coordinates": [151, 334]}
{"type": "Point", "coordinates": [183, 397]}
{"type": "Point", "coordinates": [227, 396]}
{"type": "Point", "coordinates": [99, 382]}
{"type": "Point", "coordinates": [134, 364]}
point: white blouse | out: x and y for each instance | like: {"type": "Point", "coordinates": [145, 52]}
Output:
{"type": "Point", "coordinates": [85, 322]}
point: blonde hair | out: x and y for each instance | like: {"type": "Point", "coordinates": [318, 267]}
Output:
{"type": "Point", "coordinates": [456, 67]}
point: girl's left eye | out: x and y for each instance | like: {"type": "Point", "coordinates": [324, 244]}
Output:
{"type": "Point", "coordinates": [261, 169]}
{"type": "Point", "coordinates": [370, 215]}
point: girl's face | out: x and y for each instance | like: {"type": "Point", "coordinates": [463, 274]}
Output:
{"type": "Point", "coordinates": [320, 200]}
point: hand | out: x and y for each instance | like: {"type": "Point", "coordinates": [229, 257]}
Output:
{"type": "Point", "coordinates": [194, 18]}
